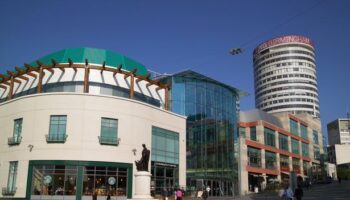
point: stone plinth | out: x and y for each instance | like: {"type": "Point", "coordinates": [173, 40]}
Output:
{"type": "Point", "coordinates": [142, 186]}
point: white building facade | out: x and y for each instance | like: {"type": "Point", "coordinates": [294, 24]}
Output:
{"type": "Point", "coordinates": [71, 129]}
{"type": "Point", "coordinates": [285, 76]}
{"type": "Point", "coordinates": [339, 131]}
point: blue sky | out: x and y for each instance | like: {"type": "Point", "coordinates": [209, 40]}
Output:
{"type": "Point", "coordinates": [169, 36]}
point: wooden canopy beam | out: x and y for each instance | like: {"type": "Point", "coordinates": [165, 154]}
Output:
{"type": "Point", "coordinates": [24, 78]}
{"type": "Point", "coordinates": [3, 87]}
{"type": "Point", "coordinates": [166, 98]}
{"type": "Point", "coordinates": [17, 81]}
{"type": "Point", "coordinates": [127, 74]}
{"type": "Point", "coordinates": [70, 61]}
{"type": "Point", "coordinates": [40, 64]}
{"type": "Point", "coordinates": [132, 77]}
{"type": "Point", "coordinates": [119, 70]}
{"type": "Point", "coordinates": [40, 81]}
{"type": "Point", "coordinates": [31, 74]}
{"type": "Point", "coordinates": [10, 94]}
{"type": "Point", "coordinates": [54, 62]}
{"type": "Point", "coordinates": [29, 67]}
{"type": "Point", "coordinates": [50, 70]}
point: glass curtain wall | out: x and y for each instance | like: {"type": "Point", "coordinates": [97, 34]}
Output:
{"type": "Point", "coordinates": [211, 130]}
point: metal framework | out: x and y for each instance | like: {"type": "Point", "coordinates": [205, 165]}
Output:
{"type": "Point", "coordinates": [7, 82]}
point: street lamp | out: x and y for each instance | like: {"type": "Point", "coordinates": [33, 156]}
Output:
{"type": "Point", "coordinates": [235, 51]}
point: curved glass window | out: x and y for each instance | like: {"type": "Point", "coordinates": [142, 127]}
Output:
{"type": "Point", "coordinates": [78, 86]}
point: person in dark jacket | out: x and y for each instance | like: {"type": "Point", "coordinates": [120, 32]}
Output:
{"type": "Point", "coordinates": [298, 193]}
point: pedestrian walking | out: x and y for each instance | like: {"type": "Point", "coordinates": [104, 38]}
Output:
{"type": "Point", "coordinates": [298, 193]}
{"type": "Point", "coordinates": [339, 179]}
{"type": "Point", "coordinates": [165, 194]}
{"type": "Point", "coordinates": [205, 194]}
{"type": "Point", "coordinates": [94, 196]}
{"type": "Point", "coordinates": [179, 194]}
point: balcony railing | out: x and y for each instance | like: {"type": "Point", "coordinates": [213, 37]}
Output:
{"type": "Point", "coordinates": [14, 140]}
{"type": "Point", "coordinates": [109, 140]}
{"type": "Point", "coordinates": [56, 138]}
{"type": "Point", "coordinates": [8, 191]}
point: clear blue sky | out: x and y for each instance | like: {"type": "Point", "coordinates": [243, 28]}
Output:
{"type": "Point", "coordinates": [169, 36]}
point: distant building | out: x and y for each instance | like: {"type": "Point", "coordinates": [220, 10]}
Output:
{"type": "Point", "coordinates": [273, 145]}
{"type": "Point", "coordinates": [339, 131]}
{"type": "Point", "coordinates": [285, 76]}
{"type": "Point", "coordinates": [339, 153]}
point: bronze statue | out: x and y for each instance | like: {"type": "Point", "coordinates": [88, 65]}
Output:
{"type": "Point", "coordinates": [142, 165]}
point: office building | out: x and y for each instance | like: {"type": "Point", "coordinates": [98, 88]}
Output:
{"type": "Point", "coordinates": [285, 76]}
{"type": "Point", "coordinates": [73, 124]}
{"type": "Point", "coordinates": [339, 131]}
{"type": "Point", "coordinates": [272, 146]}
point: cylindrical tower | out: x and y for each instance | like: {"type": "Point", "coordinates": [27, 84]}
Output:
{"type": "Point", "coordinates": [285, 76]}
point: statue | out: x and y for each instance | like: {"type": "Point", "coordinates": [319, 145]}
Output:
{"type": "Point", "coordinates": [142, 165]}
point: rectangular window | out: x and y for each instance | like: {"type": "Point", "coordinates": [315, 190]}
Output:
{"type": "Point", "coordinates": [57, 131]}
{"type": "Point", "coordinates": [242, 132]}
{"type": "Point", "coordinates": [270, 160]}
{"type": "Point", "coordinates": [305, 149]}
{"type": "Point", "coordinates": [296, 165]}
{"type": "Point", "coordinates": [17, 132]}
{"type": "Point", "coordinates": [293, 127]}
{"type": "Point", "coordinates": [109, 131]}
{"type": "Point", "coordinates": [165, 146]}
{"type": "Point", "coordinates": [284, 163]}
{"type": "Point", "coordinates": [11, 181]}
{"type": "Point", "coordinates": [315, 136]}
{"type": "Point", "coordinates": [305, 167]}
{"type": "Point", "coordinates": [303, 131]}
{"type": "Point", "coordinates": [316, 153]}
{"type": "Point", "coordinates": [283, 142]}
{"type": "Point", "coordinates": [254, 157]}
{"type": "Point", "coordinates": [269, 137]}
{"type": "Point", "coordinates": [295, 146]}
{"type": "Point", "coordinates": [253, 133]}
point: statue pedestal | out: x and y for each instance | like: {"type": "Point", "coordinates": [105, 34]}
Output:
{"type": "Point", "coordinates": [142, 186]}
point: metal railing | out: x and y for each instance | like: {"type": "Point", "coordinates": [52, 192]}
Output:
{"type": "Point", "coordinates": [56, 138]}
{"type": "Point", "coordinates": [8, 191]}
{"type": "Point", "coordinates": [14, 140]}
{"type": "Point", "coordinates": [109, 140]}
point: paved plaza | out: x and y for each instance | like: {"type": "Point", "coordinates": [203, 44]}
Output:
{"type": "Point", "coordinates": [334, 191]}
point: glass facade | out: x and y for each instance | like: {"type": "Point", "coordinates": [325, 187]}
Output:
{"type": "Point", "coordinates": [269, 138]}
{"type": "Point", "coordinates": [109, 131]}
{"type": "Point", "coordinates": [165, 160]}
{"type": "Point", "coordinates": [293, 127]}
{"type": "Point", "coordinates": [211, 108]}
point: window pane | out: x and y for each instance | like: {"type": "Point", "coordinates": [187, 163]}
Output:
{"type": "Point", "coordinates": [165, 145]}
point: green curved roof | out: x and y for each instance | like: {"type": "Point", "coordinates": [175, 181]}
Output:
{"type": "Point", "coordinates": [95, 56]}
